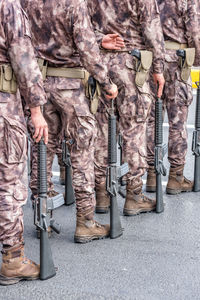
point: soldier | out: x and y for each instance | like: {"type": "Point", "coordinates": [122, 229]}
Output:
{"type": "Point", "coordinates": [16, 59]}
{"type": "Point", "coordinates": [121, 26]}
{"type": "Point", "coordinates": [65, 43]}
{"type": "Point", "coordinates": [180, 28]}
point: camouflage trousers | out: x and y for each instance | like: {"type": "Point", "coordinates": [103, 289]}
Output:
{"type": "Point", "coordinates": [13, 168]}
{"type": "Point", "coordinates": [68, 97]}
{"type": "Point", "coordinates": [177, 97]}
{"type": "Point", "coordinates": [54, 147]}
{"type": "Point", "coordinates": [132, 106]}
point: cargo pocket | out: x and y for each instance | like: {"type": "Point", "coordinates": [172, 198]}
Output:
{"type": "Point", "coordinates": [21, 191]}
{"type": "Point", "coordinates": [144, 103]}
{"type": "Point", "coordinates": [183, 90]}
{"type": "Point", "coordinates": [84, 129]}
{"type": "Point", "coordinates": [15, 140]}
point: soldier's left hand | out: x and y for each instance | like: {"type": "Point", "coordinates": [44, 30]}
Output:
{"type": "Point", "coordinates": [159, 81]}
{"type": "Point", "coordinates": [112, 42]}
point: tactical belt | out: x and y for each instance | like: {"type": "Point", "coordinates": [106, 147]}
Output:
{"type": "Point", "coordinates": [170, 45]}
{"type": "Point", "coordinates": [76, 73]}
{"type": "Point", "coordinates": [65, 72]}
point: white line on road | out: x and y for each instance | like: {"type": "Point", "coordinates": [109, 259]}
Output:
{"type": "Point", "coordinates": [189, 126]}
{"type": "Point", "coordinates": [144, 180]}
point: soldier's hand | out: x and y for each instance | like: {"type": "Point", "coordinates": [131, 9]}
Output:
{"type": "Point", "coordinates": [113, 92]}
{"type": "Point", "coordinates": [112, 42]}
{"type": "Point", "coordinates": [159, 81]}
{"type": "Point", "coordinates": [40, 125]}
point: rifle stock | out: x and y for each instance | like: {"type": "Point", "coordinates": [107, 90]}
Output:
{"type": "Point", "coordinates": [196, 143]}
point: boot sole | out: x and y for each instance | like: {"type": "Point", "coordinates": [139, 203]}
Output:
{"type": "Point", "coordinates": [151, 189]}
{"type": "Point", "coordinates": [102, 210]}
{"type": "Point", "coordinates": [9, 280]}
{"type": "Point", "coordinates": [175, 192]}
{"type": "Point", "coordinates": [129, 213]}
{"type": "Point", "coordinates": [87, 239]}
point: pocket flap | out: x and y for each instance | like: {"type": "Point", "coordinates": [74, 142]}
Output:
{"type": "Point", "coordinates": [190, 56]}
{"type": "Point", "coordinates": [146, 59]}
{"type": "Point", "coordinates": [8, 73]}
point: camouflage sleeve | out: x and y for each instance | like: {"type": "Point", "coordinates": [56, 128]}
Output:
{"type": "Point", "coordinates": [149, 18]}
{"type": "Point", "coordinates": [85, 41]}
{"type": "Point", "coordinates": [192, 29]}
{"type": "Point", "coordinates": [21, 54]}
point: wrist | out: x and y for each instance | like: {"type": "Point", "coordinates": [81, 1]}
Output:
{"type": "Point", "coordinates": [35, 110]}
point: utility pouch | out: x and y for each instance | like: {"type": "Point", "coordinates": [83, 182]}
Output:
{"type": "Point", "coordinates": [8, 83]}
{"type": "Point", "coordinates": [43, 67]}
{"type": "Point", "coordinates": [92, 92]}
{"type": "Point", "coordinates": [142, 67]}
{"type": "Point", "coordinates": [188, 63]}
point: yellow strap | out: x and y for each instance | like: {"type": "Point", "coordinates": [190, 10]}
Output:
{"type": "Point", "coordinates": [66, 72]}
{"type": "Point", "coordinates": [170, 45]}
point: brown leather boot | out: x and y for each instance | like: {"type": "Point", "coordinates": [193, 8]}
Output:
{"type": "Point", "coordinates": [151, 180]}
{"type": "Point", "coordinates": [88, 229]}
{"type": "Point", "coordinates": [102, 199]}
{"type": "Point", "coordinates": [136, 202]}
{"type": "Point", "coordinates": [16, 266]}
{"type": "Point", "coordinates": [177, 183]}
{"type": "Point", "coordinates": [62, 175]}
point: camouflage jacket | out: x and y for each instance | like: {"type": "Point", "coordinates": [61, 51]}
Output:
{"type": "Point", "coordinates": [63, 35]}
{"type": "Point", "coordinates": [137, 22]}
{"type": "Point", "coordinates": [16, 49]}
{"type": "Point", "coordinates": [179, 19]}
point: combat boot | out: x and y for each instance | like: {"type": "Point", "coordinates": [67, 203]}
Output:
{"type": "Point", "coordinates": [62, 175]}
{"type": "Point", "coordinates": [151, 180]}
{"type": "Point", "coordinates": [177, 183]}
{"type": "Point", "coordinates": [136, 202]}
{"type": "Point", "coordinates": [88, 229]}
{"type": "Point", "coordinates": [16, 266]}
{"type": "Point", "coordinates": [102, 199]}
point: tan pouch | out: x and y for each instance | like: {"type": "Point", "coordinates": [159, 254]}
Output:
{"type": "Point", "coordinates": [188, 63]}
{"type": "Point", "coordinates": [94, 99]}
{"type": "Point", "coordinates": [43, 67]}
{"type": "Point", "coordinates": [143, 67]}
{"type": "Point", "coordinates": [8, 82]}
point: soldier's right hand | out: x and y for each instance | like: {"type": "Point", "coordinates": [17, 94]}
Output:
{"type": "Point", "coordinates": [40, 125]}
{"type": "Point", "coordinates": [159, 81]}
{"type": "Point", "coordinates": [113, 92]}
{"type": "Point", "coordinates": [112, 42]}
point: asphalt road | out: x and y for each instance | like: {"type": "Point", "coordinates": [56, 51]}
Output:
{"type": "Point", "coordinates": [156, 258]}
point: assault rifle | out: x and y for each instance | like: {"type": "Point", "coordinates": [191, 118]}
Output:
{"type": "Point", "coordinates": [42, 217]}
{"type": "Point", "coordinates": [114, 173]}
{"type": "Point", "coordinates": [69, 191]}
{"type": "Point", "coordinates": [160, 151]}
{"type": "Point", "coordinates": [196, 142]}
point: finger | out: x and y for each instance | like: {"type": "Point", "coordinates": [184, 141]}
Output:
{"type": "Point", "coordinates": [113, 35]}
{"type": "Point", "coordinates": [119, 45]}
{"type": "Point", "coordinates": [39, 135]}
{"type": "Point", "coordinates": [160, 89]}
{"type": "Point", "coordinates": [120, 39]}
{"type": "Point", "coordinates": [116, 48]}
{"type": "Point", "coordinates": [36, 132]}
{"type": "Point", "coordinates": [45, 132]}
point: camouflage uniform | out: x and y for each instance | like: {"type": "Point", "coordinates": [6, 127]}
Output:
{"type": "Point", "coordinates": [138, 23]}
{"type": "Point", "coordinates": [63, 36]}
{"type": "Point", "coordinates": [180, 25]}
{"type": "Point", "coordinates": [15, 49]}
